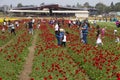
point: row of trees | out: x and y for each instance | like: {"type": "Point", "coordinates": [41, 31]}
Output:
{"type": "Point", "coordinates": [101, 7]}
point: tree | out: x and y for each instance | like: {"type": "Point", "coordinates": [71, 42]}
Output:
{"type": "Point", "coordinates": [73, 6]}
{"type": "Point", "coordinates": [107, 9]}
{"type": "Point", "coordinates": [101, 8]}
{"type": "Point", "coordinates": [68, 5]}
{"type": "Point", "coordinates": [42, 4]}
{"type": "Point", "coordinates": [19, 5]}
{"type": "Point", "coordinates": [86, 4]}
{"type": "Point", "coordinates": [117, 6]}
{"type": "Point", "coordinates": [78, 5]}
{"type": "Point", "coordinates": [11, 6]}
{"type": "Point", "coordinates": [112, 6]}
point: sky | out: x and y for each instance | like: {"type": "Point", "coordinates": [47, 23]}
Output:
{"type": "Point", "coordinates": [60, 2]}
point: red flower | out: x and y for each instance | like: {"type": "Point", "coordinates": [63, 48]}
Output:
{"type": "Point", "coordinates": [0, 50]}
{"type": "Point", "coordinates": [118, 78]}
{"type": "Point", "coordinates": [49, 70]}
{"type": "Point", "coordinates": [43, 64]}
{"type": "Point", "coordinates": [15, 55]}
{"type": "Point", "coordinates": [59, 79]}
{"type": "Point", "coordinates": [45, 78]}
{"type": "Point", "coordinates": [50, 77]}
{"type": "Point", "coordinates": [32, 79]}
{"type": "Point", "coordinates": [37, 68]}
{"type": "Point", "coordinates": [0, 78]}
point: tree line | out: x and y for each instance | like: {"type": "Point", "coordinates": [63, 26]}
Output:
{"type": "Point", "coordinates": [101, 7]}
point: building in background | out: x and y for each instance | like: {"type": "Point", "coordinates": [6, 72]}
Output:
{"type": "Point", "coordinates": [52, 10]}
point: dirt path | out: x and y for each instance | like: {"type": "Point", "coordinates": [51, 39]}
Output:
{"type": "Point", "coordinates": [29, 62]}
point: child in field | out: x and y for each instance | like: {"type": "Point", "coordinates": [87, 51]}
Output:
{"type": "Point", "coordinates": [98, 30]}
{"type": "Point", "coordinates": [3, 30]}
{"type": "Point", "coordinates": [103, 32]}
{"type": "Point", "coordinates": [94, 22]}
{"type": "Point", "coordinates": [81, 35]}
{"type": "Point", "coordinates": [117, 40]}
{"type": "Point", "coordinates": [99, 40]}
{"type": "Point", "coordinates": [9, 27]}
{"type": "Point", "coordinates": [115, 32]}
{"type": "Point", "coordinates": [64, 39]}
{"type": "Point", "coordinates": [30, 24]}
{"type": "Point", "coordinates": [38, 24]}
{"type": "Point", "coordinates": [16, 24]}
{"type": "Point", "coordinates": [12, 28]}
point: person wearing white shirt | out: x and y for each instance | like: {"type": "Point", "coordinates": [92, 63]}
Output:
{"type": "Point", "coordinates": [99, 41]}
{"type": "Point", "coordinates": [57, 34]}
{"type": "Point", "coordinates": [64, 39]}
{"type": "Point", "coordinates": [115, 32]}
{"type": "Point", "coordinates": [56, 27]}
{"type": "Point", "coordinates": [12, 28]}
{"type": "Point", "coordinates": [3, 30]}
{"type": "Point", "coordinates": [16, 24]}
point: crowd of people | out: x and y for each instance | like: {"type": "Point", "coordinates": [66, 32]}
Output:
{"type": "Point", "coordinates": [60, 33]}
{"type": "Point", "coordinates": [11, 26]}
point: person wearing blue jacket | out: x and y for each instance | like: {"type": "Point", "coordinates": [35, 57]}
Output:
{"type": "Point", "coordinates": [85, 31]}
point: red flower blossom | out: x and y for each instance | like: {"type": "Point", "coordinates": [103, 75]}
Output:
{"type": "Point", "coordinates": [118, 78]}
{"type": "Point", "coordinates": [45, 78]}
{"type": "Point", "coordinates": [50, 77]}
{"type": "Point", "coordinates": [118, 75]}
{"type": "Point", "coordinates": [15, 55]}
{"type": "Point", "coordinates": [37, 68]}
{"type": "Point", "coordinates": [32, 79]}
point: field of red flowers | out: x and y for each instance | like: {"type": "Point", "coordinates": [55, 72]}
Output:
{"type": "Point", "coordinates": [76, 61]}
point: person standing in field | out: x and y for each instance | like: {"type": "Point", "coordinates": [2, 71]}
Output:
{"type": "Point", "coordinates": [3, 29]}
{"type": "Point", "coordinates": [16, 24]}
{"type": "Point", "coordinates": [4, 23]}
{"type": "Point", "coordinates": [103, 30]}
{"type": "Point", "coordinates": [64, 39]}
{"type": "Point", "coordinates": [62, 32]}
{"type": "Point", "coordinates": [9, 27]}
{"type": "Point", "coordinates": [117, 24]}
{"type": "Point", "coordinates": [99, 41]}
{"type": "Point", "coordinates": [57, 34]}
{"type": "Point", "coordinates": [98, 36]}
{"type": "Point", "coordinates": [98, 31]}
{"type": "Point", "coordinates": [69, 23]}
{"type": "Point", "coordinates": [117, 39]}
{"type": "Point", "coordinates": [56, 28]}
{"type": "Point", "coordinates": [4, 26]}
{"type": "Point", "coordinates": [38, 24]}
{"type": "Point", "coordinates": [30, 24]}
{"type": "Point", "coordinates": [12, 28]}
{"type": "Point", "coordinates": [94, 22]}
{"type": "Point", "coordinates": [81, 34]}
{"type": "Point", "coordinates": [85, 27]}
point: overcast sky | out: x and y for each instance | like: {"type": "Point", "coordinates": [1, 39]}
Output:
{"type": "Point", "coordinates": [61, 2]}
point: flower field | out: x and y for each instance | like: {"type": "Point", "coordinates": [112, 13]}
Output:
{"type": "Point", "coordinates": [76, 61]}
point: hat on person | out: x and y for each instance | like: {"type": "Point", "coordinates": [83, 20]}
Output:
{"type": "Point", "coordinates": [115, 31]}
{"type": "Point", "coordinates": [62, 30]}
